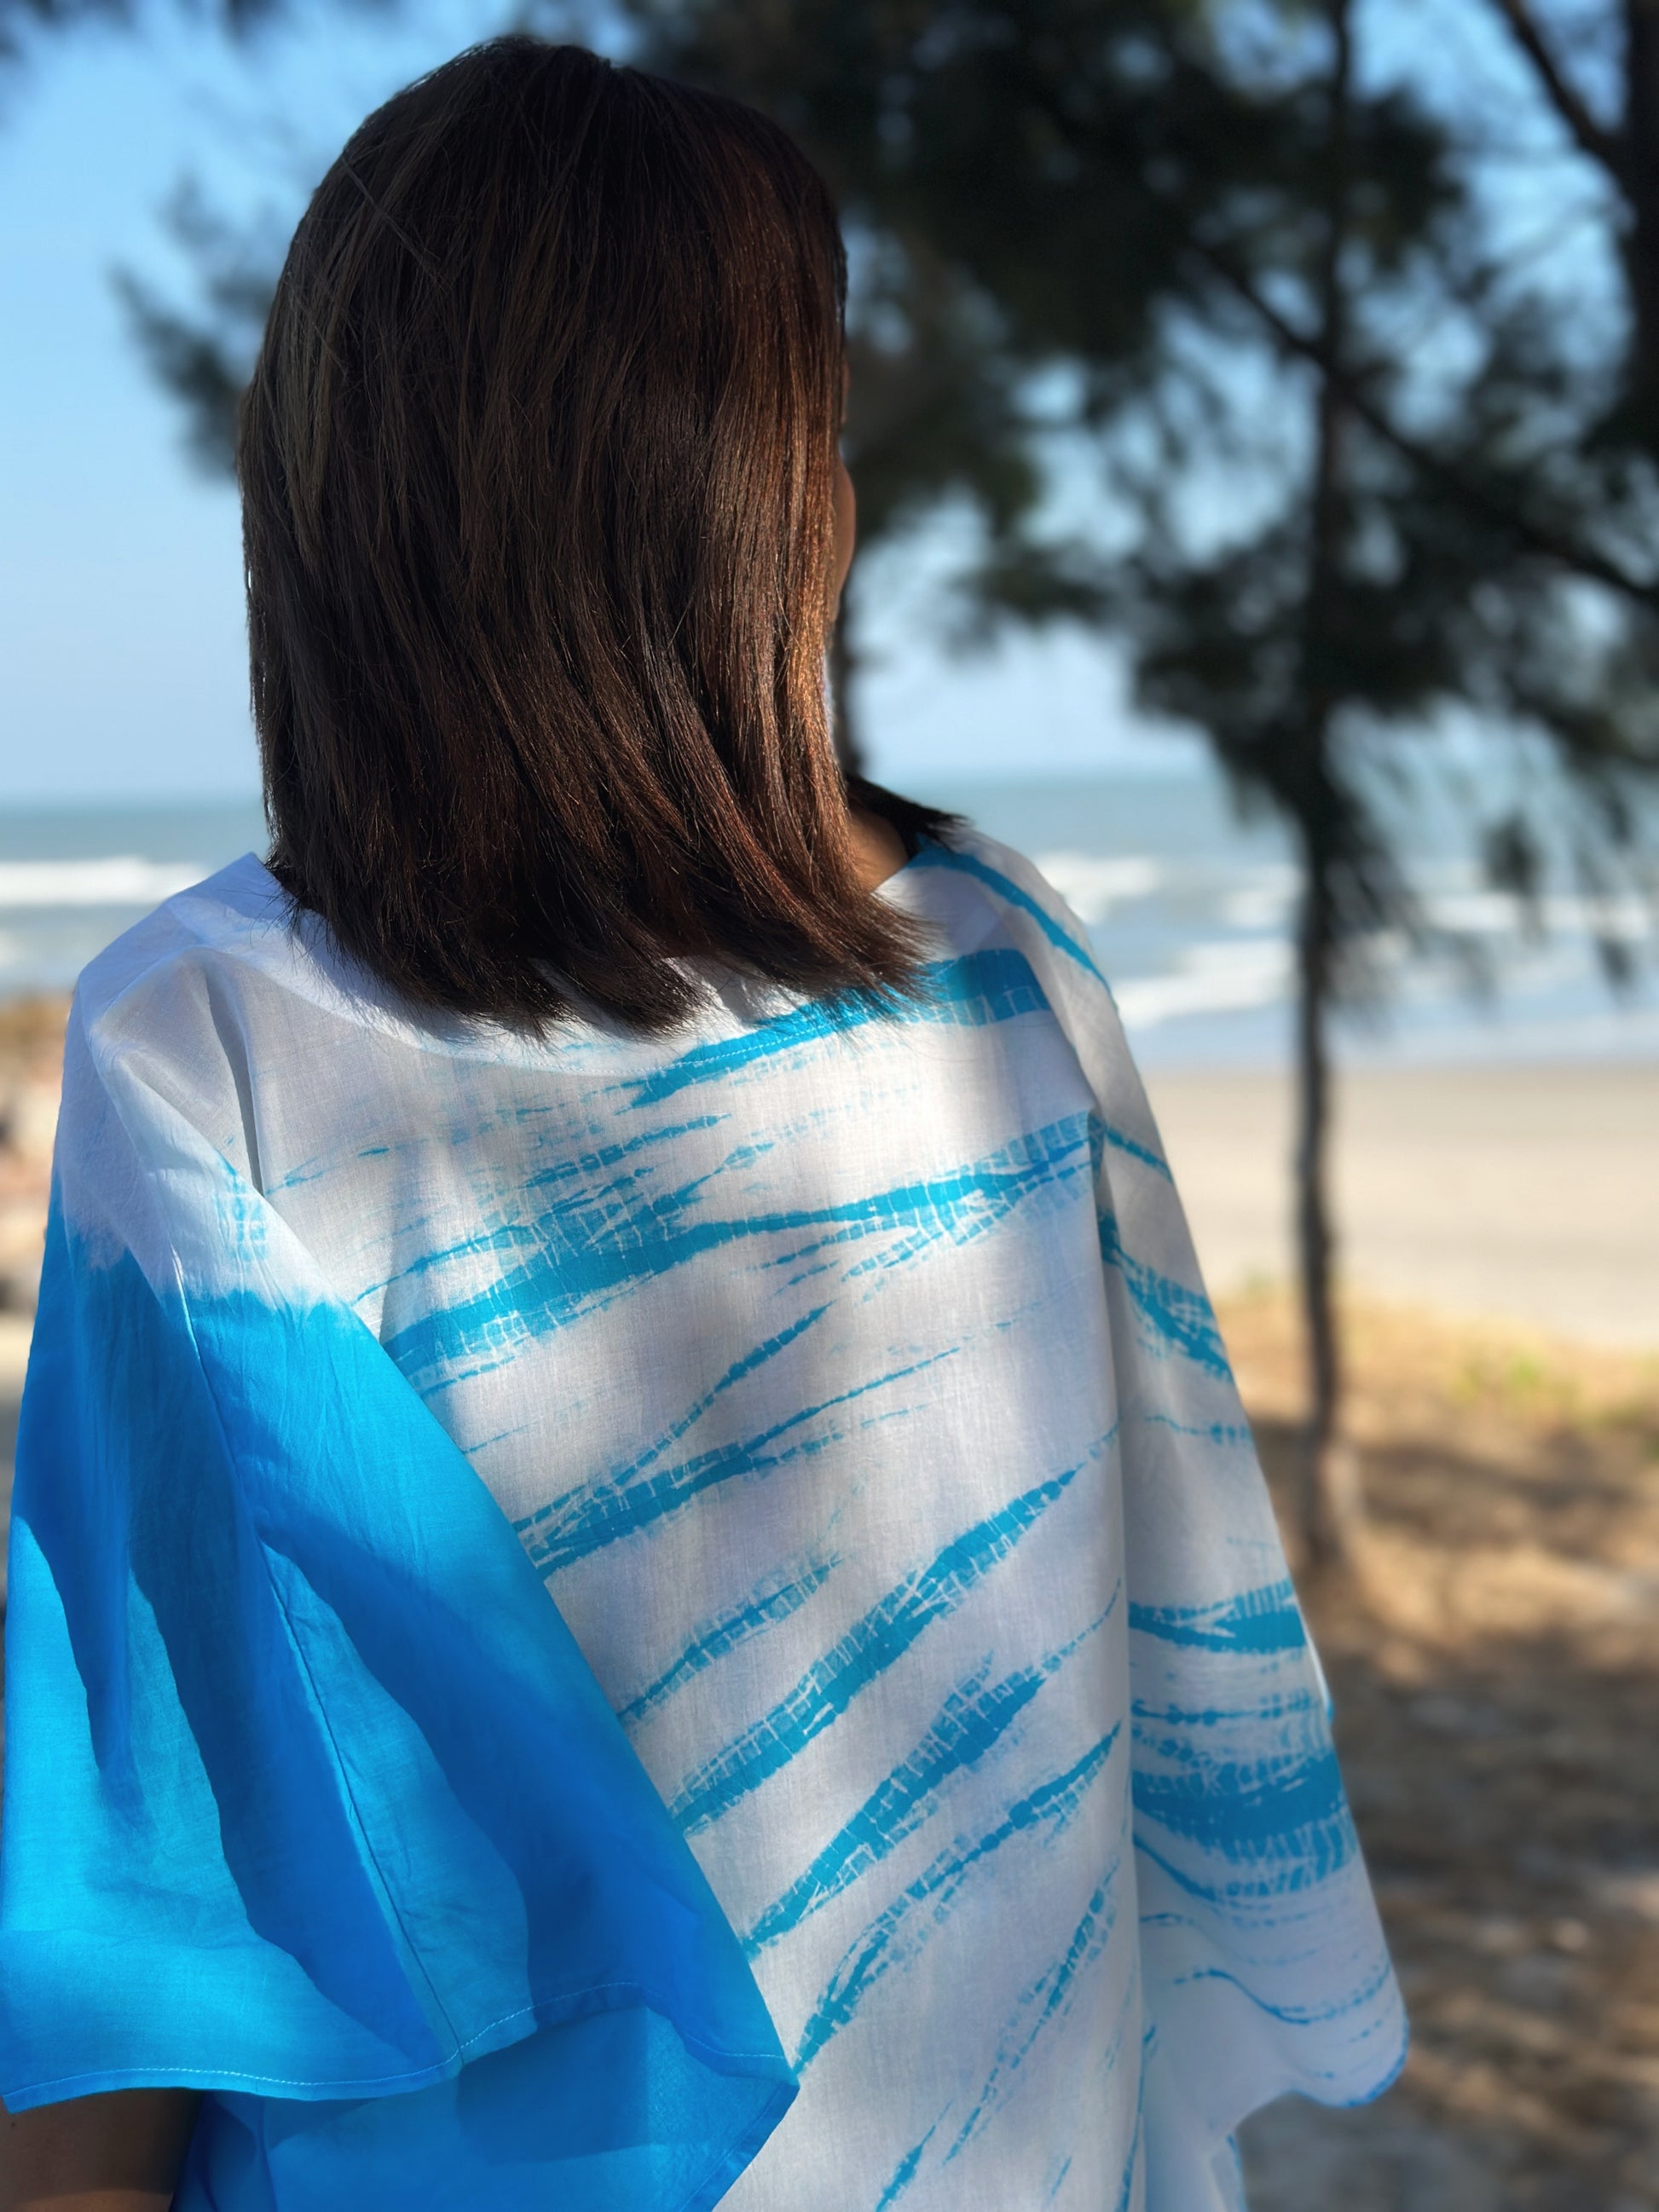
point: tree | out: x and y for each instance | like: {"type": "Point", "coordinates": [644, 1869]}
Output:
{"type": "Point", "coordinates": [1362, 472]}
{"type": "Point", "coordinates": [930, 415]}
{"type": "Point", "coordinates": [26, 24]}
{"type": "Point", "coordinates": [1623, 147]}
{"type": "Point", "coordinates": [1158, 198]}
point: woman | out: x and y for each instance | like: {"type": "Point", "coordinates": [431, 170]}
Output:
{"type": "Point", "coordinates": [603, 1155]}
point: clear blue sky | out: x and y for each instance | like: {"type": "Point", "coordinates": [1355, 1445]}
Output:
{"type": "Point", "coordinates": [122, 665]}
{"type": "Point", "coordinates": [121, 648]}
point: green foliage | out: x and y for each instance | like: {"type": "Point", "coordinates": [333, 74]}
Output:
{"type": "Point", "coordinates": [1151, 241]}
{"type": "Point", "coordinates": [204, 357]}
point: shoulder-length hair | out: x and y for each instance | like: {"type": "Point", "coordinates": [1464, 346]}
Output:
{"type": "Point", "coordinates": [538, 471]}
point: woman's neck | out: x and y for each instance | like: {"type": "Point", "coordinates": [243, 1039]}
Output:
{"type": "Point", "coordinates": [877, 849]}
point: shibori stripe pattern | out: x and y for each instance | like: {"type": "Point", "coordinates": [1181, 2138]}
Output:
{"type": "Point", "coordinates": [921, 1727]}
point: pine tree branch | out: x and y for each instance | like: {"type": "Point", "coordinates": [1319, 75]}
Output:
{"type": "Point", "coordinates": [1351, 386]}
{"type": "Point", "coordinates": [1304, 345]}
{"type": "Point", "coordinates": [1590, 137]}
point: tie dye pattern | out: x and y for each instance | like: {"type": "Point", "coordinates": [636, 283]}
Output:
{"type": "Point", "coordinates": [923, 1717]}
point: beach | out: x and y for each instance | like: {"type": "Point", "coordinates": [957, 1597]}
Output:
{"type": "Point", "coordinates": [1529, 1194]}
{"type": "Point", "coordinates": [1494, 1652]}
{"type": "Point", "coordinates": [30, 1054]}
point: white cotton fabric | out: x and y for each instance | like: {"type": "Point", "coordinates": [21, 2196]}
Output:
{"type": "Point", "coordinates": [850, 1381]}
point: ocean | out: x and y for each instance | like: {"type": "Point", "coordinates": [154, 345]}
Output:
{"type": "Point", "coordinates": [1190, 908]}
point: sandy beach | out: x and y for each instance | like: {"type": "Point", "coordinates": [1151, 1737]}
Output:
{"type": "Point", "coordinates": [1493, 1663]}
{"type": "Point", "coordinates": [1526, 1193]}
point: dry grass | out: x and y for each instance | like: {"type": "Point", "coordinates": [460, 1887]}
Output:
{"type": "Point", "coordinates": [31, 1057]}
{"type": "Point", "coordinates": [31, 1028]}
{"type": "Point", "coordinates": [1495, 1659]}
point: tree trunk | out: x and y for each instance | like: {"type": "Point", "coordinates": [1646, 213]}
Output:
{"type": "Point", "coordinates": [1640, 178]}
{"type": "Point", "coordinates": [843, 666]}
{"type": "Point", "coordinates": [1330, 1499]}
{"type": "Point", "coordinates": [1331, 1505]}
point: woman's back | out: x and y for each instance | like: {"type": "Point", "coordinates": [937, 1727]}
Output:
{"type": "Point", "coordinates": [845, 1379]}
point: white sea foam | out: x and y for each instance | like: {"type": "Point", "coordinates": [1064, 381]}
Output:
{"type": "Point", "coordinates": [1266, 900]}
{"type": "Point", "coordinates": [124, 879]}
{"type": "Point", "coordinates": [1093, 884]}
{"type": "Point", "coordinates": [1218, 976]}
{"type": "Point", "coordinates": [1500, 913]}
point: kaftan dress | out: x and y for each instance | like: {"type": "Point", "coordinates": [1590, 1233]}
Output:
{"type": "Point", "coordinates": [918, 1790]}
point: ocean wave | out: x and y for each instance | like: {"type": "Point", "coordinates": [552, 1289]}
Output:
{"type": "Point", "coordinates": [123, 879]}
{"type": "Point", "coordinates": [1265, 901]}
{"type": "Point", "coordinates": [1093, 884]}
{"type": "Point", "coordinates": [1500, 913]}
{"type": "Point", "coordinates": [1219, 976]}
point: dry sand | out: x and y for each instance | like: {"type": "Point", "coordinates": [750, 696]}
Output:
{"type": "Point", "coordinates": [1530, 1192]}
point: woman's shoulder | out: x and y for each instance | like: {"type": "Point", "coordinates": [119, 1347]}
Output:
{"type": "Point", "coordinates": [1034, 918]}
{"type": "Point", "coordinates": [222, 962]}
{"type": "Point", "coordinates": [983, 871]}
{"type": "Point", "coordinates": [162, 956]}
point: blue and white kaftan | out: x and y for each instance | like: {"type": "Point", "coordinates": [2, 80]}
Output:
{"type": "Point", "coordinates": [918, 1791]}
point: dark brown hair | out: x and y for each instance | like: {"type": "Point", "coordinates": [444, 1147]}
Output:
{"type": "Point", "coordinates": [537, 470]}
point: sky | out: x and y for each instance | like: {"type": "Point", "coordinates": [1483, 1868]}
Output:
{"type": "Point", "coordinates": [122, 655]}
{"type": "Point", "coordinates": [122, 650]}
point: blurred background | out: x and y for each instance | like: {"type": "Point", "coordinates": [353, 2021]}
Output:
{"type": "Point", "coordinates": [1256, 418]}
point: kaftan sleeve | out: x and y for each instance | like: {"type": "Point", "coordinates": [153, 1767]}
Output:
{"type": "Point", "coordinates": [1265, 1969]}
{"type": "Point", "coordinates": [310, 1799]}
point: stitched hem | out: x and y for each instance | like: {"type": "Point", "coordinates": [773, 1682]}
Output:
{"type": "Point", "coordinates": [561, 2011]}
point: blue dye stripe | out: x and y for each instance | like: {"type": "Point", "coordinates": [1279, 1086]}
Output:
{"type": "Point", "coordinates": [868, 1649]}
{"type": "Point", "coordinates": [1285, 1811]}
{"type": "Point", "coordinates": [905, 2171]}
{"type": "Point", "coordinates": [1267, 1619]}
{"type": "Point", "coordinates": [969, 864]}
{"type": "Point", "coordinates": [610, 1156]}
{"type": "Point", "coordinates": [969, 1722]}
{"type": "Point", "coordinates": [604, 1201]}
{"type": "Point", "coordinates": [773, 1599]}
{"type": "Point", "coordinates": [1107, 1132]}
{"type": "Point", "coordinates": [1060, 1981]}
{"type": "Point", "coordinates": [1296, 1707]}
{"type": "Point", "coordinates": [586, 1521]}
{"type": "Point", "coordinates": [994, 984]}
{"type": "Point", "coordinates": [1318, 2016]}
{"type": "Point", "coordinates": [301, 1173]}
{"type": "Point", "coordinates": [1234, 1896]}
{"type": "Point", "coordinates": [1243, 1895]}
{"type": "Point", "coordinates": [746, 1363]}
{"type": "Point", "coordinates": [888, 1942]}
{"type": "Point", "coordinates": [1214, 1432]}
{"type": "Point", "coordinates": [585, 1255]}
{"type": "Point", "coordinates": [1181, 1317]}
